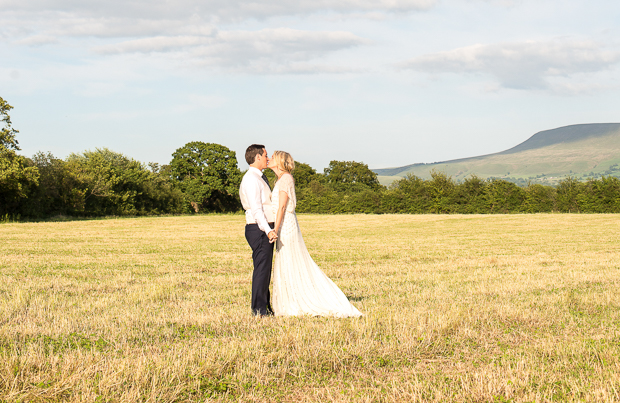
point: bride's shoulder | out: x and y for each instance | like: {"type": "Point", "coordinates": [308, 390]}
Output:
{"type": "Point", "coordinates": [286, 180]}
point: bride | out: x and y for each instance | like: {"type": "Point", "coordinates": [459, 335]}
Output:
{"type": "Point", "coordinates": [299, 285]}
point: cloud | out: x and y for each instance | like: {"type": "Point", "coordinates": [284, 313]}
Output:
{"type": "Point", "coordinates": [521, 65]}
{"type": "Point", "coordinates": [223, 10]}
{"type": "Point", "coordinates": [38, 40]}
{"type": "Point", "coordinates": [113, 27]}
{"type": "Point", "coordinates": [135, 19]}
{"type": "Point", "coordinates": [194, 32]}
{"type": "Point", "coordinates": [154, 44]}
{"type": "Point", "coordinates": [271, 50]}
{"type": "Point", "coordinates": [74, 25]}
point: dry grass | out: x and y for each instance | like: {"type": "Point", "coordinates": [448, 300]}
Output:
{"type": "Point", "coordinates": [458, 308]}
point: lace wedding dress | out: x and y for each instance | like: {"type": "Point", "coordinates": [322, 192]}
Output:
{"type": "Point", "coordinates": [299, 286]}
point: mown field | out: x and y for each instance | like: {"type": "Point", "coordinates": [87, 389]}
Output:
{"type": "Point", "coordinates": [504, 308]}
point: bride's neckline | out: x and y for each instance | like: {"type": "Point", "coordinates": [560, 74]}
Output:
{"type": "Point", "coordinates": [285, 173]}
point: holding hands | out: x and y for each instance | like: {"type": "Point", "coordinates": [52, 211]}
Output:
{"type": "Point", "coordinates": [272, 236]}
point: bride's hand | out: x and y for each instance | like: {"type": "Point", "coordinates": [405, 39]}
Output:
{"type": "Point", "coordinates": [272, 236]}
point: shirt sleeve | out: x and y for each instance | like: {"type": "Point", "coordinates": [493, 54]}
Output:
{"type": "Point", "coordinates": [255, 199]}
{"type": "Point", "coordinates": [288, 186]}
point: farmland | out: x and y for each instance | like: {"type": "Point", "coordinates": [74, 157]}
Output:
{"type": "Point", "coordinates": [507, 308]}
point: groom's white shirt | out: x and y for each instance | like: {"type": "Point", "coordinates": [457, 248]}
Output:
{"type": "Point", "coordinates": [256, 200]}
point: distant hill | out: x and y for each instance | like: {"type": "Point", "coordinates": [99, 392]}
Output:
{"type": "Point", "coordinates": [581, 151]}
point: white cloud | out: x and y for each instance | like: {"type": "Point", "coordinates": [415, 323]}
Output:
{"type": "Point", "coordinates": [237, 48]}
{"type": "Point", "coordinates": [191, 33]}
{"type": "Point", "coordinates": [229, 10]}
{"type": "Point", "coordinates": [73, 26]}
{"type": "Point", "coordinates": [522, 65]}
{"type": "Point", "coordinates": [117, 18]}
{"type": "Point", "coordinates": [76, 25]}
{"type": "Point", "coordinates": [272, 50]}
{"type": "Point", "coordinates": [38, 40]}
{"type": "Point", "coordinates": [154, 44]}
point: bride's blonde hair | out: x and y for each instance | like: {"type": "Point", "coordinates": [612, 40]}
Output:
{"type": "Point", "coordinates": [284, 161]}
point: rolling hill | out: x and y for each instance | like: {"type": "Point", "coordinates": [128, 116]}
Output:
{"type": "Point", "coordinates": [581, 151]}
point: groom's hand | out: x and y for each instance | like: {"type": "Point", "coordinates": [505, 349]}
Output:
{"type": "Point", "coordinates": [272, 236]}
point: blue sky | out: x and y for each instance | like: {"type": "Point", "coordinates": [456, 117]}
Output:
{"type": "Point", "coordinates": [385, 82]}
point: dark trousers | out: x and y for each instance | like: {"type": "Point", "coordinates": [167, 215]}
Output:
{"type": "Point", "coordinates": [262, 256]}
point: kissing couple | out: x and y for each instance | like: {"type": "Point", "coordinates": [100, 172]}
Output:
{"type": "Point", "coordinates": [299, 286]}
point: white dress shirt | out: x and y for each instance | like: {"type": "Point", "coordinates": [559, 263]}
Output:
{"type": "Point", "coordinates": [255, 198]}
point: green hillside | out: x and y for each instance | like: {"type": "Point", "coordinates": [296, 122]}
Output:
{"type": "Point", "coordinates": [582, 151]}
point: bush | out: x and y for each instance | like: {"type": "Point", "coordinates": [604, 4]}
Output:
{"type": "Point", "coordinates": [109, 183]}
{"type": "Point", "coordinates": [18, 178]}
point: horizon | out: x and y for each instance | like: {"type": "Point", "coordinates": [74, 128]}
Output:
{"type": "Point", "coordinates": [241, 161]}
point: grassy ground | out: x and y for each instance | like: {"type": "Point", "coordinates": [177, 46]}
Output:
{"type": "Point", "coordinates": [458, 308]}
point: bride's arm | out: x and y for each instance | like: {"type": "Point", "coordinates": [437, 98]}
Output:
{"type": "Point", "coordinates": [283, 198]}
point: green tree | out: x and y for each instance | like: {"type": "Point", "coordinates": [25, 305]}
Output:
{"type": "Point", "coordinates": [441, 189]}
{"type": "Point", "coordinates": [58, 191]}
{"type": "Point", "coordinates": [99, 174]}
{"type": "Point", "coordinates": [307, 184]}
{"type": "Point", "coordinates": [567, 193]}
{"type": "Point", "coordinates": [208, 175]}
{"type": "Point", "coordinates": [17, 180]}
{"type": "Point", "coordinates": [7, 133]}
{"type": "Point", "coordinates": [599, 195]}
{"type": "Point", "coordinates": [17, 175]}
{"type": "Point", "coordinates": [470, 195]}
{"type": "Point", "coordinates": [304, 174]}
{"type": "Point", "coordinates": [539, 198]}
{"type": "Point", "coordinates": [407, 195]}
{"type": "Point", "coordinates": [504, 197]}
{"type": "Point", "coordinates": [351, 173]}
{"type": "Point", "coordinates": [110, 183]}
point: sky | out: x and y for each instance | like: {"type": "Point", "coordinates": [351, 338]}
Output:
{"type": "Point", "coordinates": [383, 82]}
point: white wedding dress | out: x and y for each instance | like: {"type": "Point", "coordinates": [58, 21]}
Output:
{"type": "Point", "coordinates": [299, 286]}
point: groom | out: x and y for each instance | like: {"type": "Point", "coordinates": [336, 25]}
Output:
{"type": "Point", "coordinates": [255, 195]}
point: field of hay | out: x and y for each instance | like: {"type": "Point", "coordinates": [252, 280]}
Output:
{"type": "Point", "coordinates": [497, 308]}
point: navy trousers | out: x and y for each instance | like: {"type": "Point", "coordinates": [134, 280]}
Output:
{"type": "Point", "coordinates": [262, 257]}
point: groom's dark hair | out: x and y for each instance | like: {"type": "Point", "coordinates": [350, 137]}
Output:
{"type": "Point", "coordinates": [250, 153]}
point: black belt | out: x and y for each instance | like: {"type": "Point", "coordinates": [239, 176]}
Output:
{"type": "Point", "coordinates": [271, 224]}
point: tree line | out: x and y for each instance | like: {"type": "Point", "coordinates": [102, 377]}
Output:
{"type": "Point", "coordinates": [204, 177]}
{"type": "Point", "coordinates": [442, 195]}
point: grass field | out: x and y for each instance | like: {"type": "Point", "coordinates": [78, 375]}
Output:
{"type": "Point", "coordinates": [522, 308]}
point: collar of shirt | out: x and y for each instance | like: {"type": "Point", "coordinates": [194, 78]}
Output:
{"type": "Point", "coordinates": [256, 171]}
